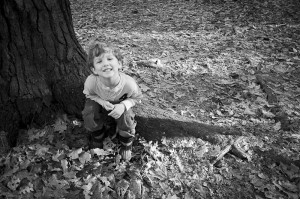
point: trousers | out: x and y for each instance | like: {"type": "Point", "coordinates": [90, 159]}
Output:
{"type": "Point", "coordinates": [96, 118]}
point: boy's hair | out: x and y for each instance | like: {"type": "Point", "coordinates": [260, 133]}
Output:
{"type": "Point", "coordinates": [96, 48]}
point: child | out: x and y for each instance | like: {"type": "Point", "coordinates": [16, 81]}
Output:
{"type": "Point", "coordinates": [110, 96]}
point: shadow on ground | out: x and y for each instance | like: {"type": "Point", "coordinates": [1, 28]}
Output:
{"type": "Point", "coordinates": [154, 124]}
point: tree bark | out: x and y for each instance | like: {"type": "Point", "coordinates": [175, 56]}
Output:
{"type": "Point", "coordinates": [42, 63]}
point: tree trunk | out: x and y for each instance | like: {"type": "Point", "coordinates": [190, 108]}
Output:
{"type": "Point", "coordinates": [42, 63]}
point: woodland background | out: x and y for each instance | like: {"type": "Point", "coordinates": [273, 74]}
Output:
{"type": "Point", "coordinates": [227, 72]}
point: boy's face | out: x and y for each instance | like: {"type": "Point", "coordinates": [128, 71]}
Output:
{"type": "Point", "coordinates": [106, 65]}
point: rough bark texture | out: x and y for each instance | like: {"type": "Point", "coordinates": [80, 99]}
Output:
{"type": "Point", "coordinates": [41, 62]}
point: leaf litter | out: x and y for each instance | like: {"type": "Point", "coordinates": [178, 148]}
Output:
{"type": "Point", "coordinates": [200, 59]}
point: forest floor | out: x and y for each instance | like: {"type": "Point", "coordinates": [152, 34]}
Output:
{"type": "Point", "coordinates": [223, 63]}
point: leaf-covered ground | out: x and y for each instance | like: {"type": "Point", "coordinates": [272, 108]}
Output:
{"type": "Point", "coordinates": [225, 63]}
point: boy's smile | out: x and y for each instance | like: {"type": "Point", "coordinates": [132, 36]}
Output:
{"type": "Point", "coordinates": [106, 65]}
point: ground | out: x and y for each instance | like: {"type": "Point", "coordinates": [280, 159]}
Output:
{"type": "Point", "coordinates": [232, 64]}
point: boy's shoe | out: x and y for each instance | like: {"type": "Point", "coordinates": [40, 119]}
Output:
{"type": "Point", "coordinates": [96, 139]}
{"type": "Point", "coordinates": [125, 152]}
{"type": "Point", "coordinates": [126, 147]}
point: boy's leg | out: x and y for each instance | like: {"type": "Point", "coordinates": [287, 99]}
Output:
{"type": "Point", "coordinates": [126, 130]}
{"type": "Point", "coordinates": [94, 122]}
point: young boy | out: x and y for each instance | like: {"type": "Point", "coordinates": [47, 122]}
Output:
{"type": "Point", "coordinates": [110, 96]}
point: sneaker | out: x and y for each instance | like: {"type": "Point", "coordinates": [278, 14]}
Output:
{"type": "Point", "coordinates": [125, 152]}
{"type": "Point", "coordinates": [126, 147]}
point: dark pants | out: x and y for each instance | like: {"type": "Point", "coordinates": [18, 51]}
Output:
{"type": "Point", "coordinates": [96, 118]}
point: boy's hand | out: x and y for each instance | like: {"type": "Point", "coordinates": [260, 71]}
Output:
{"type": "Point", "coordinates": [108, 106]}
{"type": "Point", "coordinates": [118, 111]}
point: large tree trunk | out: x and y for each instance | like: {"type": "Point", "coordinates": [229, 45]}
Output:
{"type": "Point", "coordinates": [41, 60]}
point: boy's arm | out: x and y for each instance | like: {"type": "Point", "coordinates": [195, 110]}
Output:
{"type": "Point", "coordinates": [133, 99]}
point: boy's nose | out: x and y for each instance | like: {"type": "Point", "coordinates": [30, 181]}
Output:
{"type": "Point", "coordinates": [105, 63]}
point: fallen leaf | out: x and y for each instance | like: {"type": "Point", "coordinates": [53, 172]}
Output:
{"type": "Point", "coordinates": [70, 175]}
{"type": "Point", "coordinates": [60, 126]}
{"type": "Point", "coordinates": [179, 164]}
{"type": "Point", "coordinates": [118, 159]}
{"type": "Point", "coordinates": [105, 181]}
{"type": "Point", "coordinates": [151, 94]}
{"type": "Point", "coordinates": [200, 153]}
{"type": "Point", "coordinates": [41, 150]}
{"type": "Point", "coordinates": [225, 82]}
{"type": "Point", "coordinates": [26, 189]}
{"type": "Point", "coordinates": [122, 187]}
{"type": "Point", "coordinates": [144, 88]}
{"type": "Point", "coordinates": [99, 152]}
{"type": "Point", "coordinates": [56, 157]}
{"type": "Point", "coordinates": [187, 195]}
{"type": "Point", "coordinates": [219, 113]}
{"type": "Point", "coordinates": [13, 183]}
{"type": "Point", "coordinates": [179, 94]}
{"type": "Point", "coordinates": [136, 187]}
{"type": "Point", "coordinates": [87, 190]}
{"type": "Point", "coordinates": [289, 186]}
{"type": "Point", "coordinates": [35, 134]}
{"type": "Point", "coordinates": [248, 111]}
{"type": "Point", "coordinates": [172, 197]}
{"type": "Point", "coordinates": [218, 177]}
{"type": "Point", "coordinates": [64, 165]}
{"type": "Point", "coordinates": [56, 183]}
{"type": "Point", "coordinates": [297, 136]}
{"type": "Point", "coordinates": [85, 157]}
{"type": "Point", "coordinates": [214, 150]}
{"type": "Point", "coordinates": [172, 110]}
{"type": "Point", "coordinates": [108, 145]}
{"type": "Point", "coordinates": [277, 126]}
{"type": "Point", "coordinates": [75, 154]}
{"type": "Point", "coordinates": [268, 114]}
{"type": "Point", "coordinates": [257, 182]}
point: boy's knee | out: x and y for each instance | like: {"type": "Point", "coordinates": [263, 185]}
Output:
{"type": "Point", "coordinates": [126, 122]}
{"type": "Point", "coordinates": [90, 115]}
{"type": "Point", "coordinates": [90, 107]}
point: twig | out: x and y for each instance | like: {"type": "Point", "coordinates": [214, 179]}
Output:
{"type": "Point", "coordinates": [222, 154]}
{"type": "Point", "coordinates": [235, 149]}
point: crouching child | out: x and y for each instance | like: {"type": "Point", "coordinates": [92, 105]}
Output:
{"type": "Point", "coordinates": [110, 96]}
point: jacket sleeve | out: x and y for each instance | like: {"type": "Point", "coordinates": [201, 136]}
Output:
{"type": "Point", "coordinates": [134, 95]}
